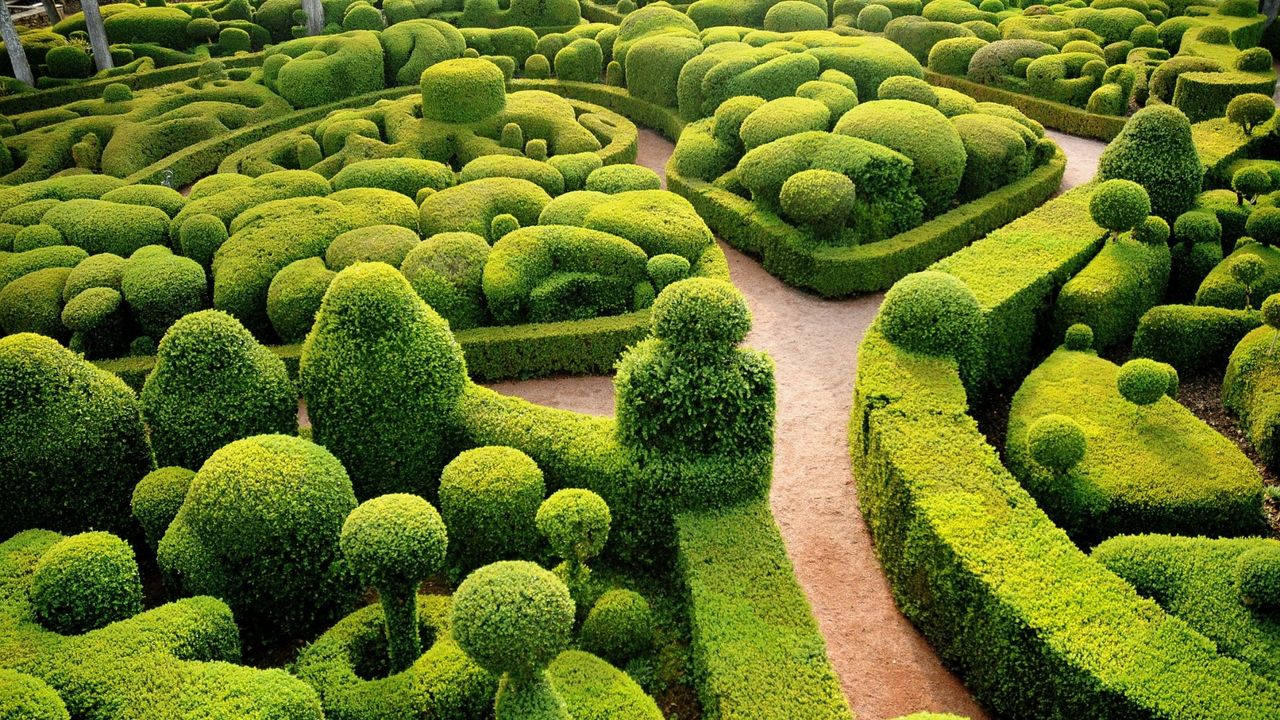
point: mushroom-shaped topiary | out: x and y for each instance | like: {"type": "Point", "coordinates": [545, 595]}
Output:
{"type": "Point", "coordinates": [819, 199]}
{"type": "Point", "coordinates": [1119, 205]}
{"type": "Point", "coordinates": [1056, 442]}
{"type": "Point", "coordinates": [1263, 225]}
{"type": "Point", "coordinates": [157, 499]}
{"type": "Point", "coordinates": [1247, 270]}
{"type": "Point", "coordinates": [576, 524]}
{"type": "Point", "coordinates": [701, 315]}
{"type": "Point", "coordinates": [1250, 110]}
{"type": "Point", "coordinates": [489, 498]}
{"type": "Point", "coordinates": [1155, 150]}
{"type": "Point", "coordinates": [619, 626]}
{"type": "Point", "coordinates": [463, 90]}
{"type": "Point", "coordinates": [1078, 337]}
{"type": "Point", "coordinates": [1142, 381]}
{"type": "Point", "coordinates": [1249, 183]}
{"type": "Point", "coordinates": [935, 313]}
{"type": "Point", "coordinates": [1258, 577]}
{"type": "Point", "coordinates": [25, 697]}
{"type": "Point", "coordinates": [394, 542]}
{"type": "Point", "coordinates": [1197, 226]}
{"type": "Point", "coordinates": [513, 618]}
{"type": "Point", "coordinates": [85, 582]}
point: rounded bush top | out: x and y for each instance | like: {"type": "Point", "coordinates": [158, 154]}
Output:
{"type": "Point", "coordinates": [1153, 230]}
{"type": "Point", "coordinates": [812, 196]}
{"type": "Point", "coordinates": [513, 616]}
{"type": "Point", "coordinates": [619, 626]}
{"type": "Point", "coordinates": [463, 90]}
{"type": "Point", "coordinates": [116, 92]}
{"type": "Point", "coordinates": [1119, 205]}
{"type": "Point", "coordinates": [1254, 59]}
{"type": "Point", "coordinates": [85, 582]}
{"type": "Point", "coordinates": [1143, 381]}
{"type": "Point", "coordinates": [1271, 311]}
{"type": "Point", "coordinates": [613, 179]}
{"type": "Point", "coordinates": [1258, 577]}
{"type": "Point", "coordinates": [1056, 442]}
{"type": "Point", "coordinates": [701, 312]}
{"type": "Point", "coordinates": [1197, 226]}
{"type": "Point", "coordinates": [930, 312]}
{"type": "Point", "coordinates": [394, 540]}
{"type": "Point", "coordinates": [1250, 110]}
{"type": "Point", "coordinates": [1251, 180]}
{"type": "Point", "coordinates": [1263, 225]}
{"type": "Point", "coordinates": [575, 522]}
{"type": "Point", "coordinates": [25, 697]}
{"type": "Point", "coordinates": [906, 87]}
{"type": "Point", "coordinates": [90, 308]}
{"type": "Point", "coordinates": [158, 497]}
{"type": "Point", "coordinates": [1079, 337]}
{"type": "Point", "coordinates": [1247, 269]}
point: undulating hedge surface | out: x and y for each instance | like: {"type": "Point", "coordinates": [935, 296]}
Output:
{"type": "Point", "coordinates": [1249, 389]}
{"type": "Point", "coordinates": [1193, 339]}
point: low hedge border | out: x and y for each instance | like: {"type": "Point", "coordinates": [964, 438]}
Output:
{"type": "Point", "coordinates": [1059, 116]}
{"type": "Point", "coordinates": [1220, 142]}
{"type": "Point", "coordinates": [840, 271]}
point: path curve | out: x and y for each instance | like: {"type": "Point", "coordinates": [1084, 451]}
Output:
{"type": "Point", "coordinates": [886, 667]}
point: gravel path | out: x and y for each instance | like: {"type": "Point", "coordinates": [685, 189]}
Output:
{"type": "Point", "coordinates": [886, 667]}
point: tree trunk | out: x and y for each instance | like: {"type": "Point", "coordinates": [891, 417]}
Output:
{"type": "Point", "coordinates": [17, 56]}
{"type": "Point", "coordinates": [51, 10]}
{"type": "Point", "coordinates": [315, 16]}
{"type": "Point", "coordinates": [97, 34]}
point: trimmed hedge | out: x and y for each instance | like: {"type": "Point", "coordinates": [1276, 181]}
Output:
{"type": "Point", "coordinates": [1059, 116]}
{"type": "Point", "coordinates": [1193, 339]}
{"type": "Point", "coordinates": [1249, 389]}
{"type": "Point", "coordinates": [1112, 293]}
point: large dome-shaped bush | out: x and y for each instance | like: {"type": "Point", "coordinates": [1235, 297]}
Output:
{"type": "Point", "coordinates": [934, 313]}
{"type": "Point", "coordinates": [1155, 150]}
{"type": "Point", "coordinates": [463, 90]}
{"type": "Point", "coordinates": [489, 498]}
{"type": "Point", "coordinates": [85, 582]}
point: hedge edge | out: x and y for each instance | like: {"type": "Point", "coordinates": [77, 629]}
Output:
{"type": "Point", "coordinates": [1058, 116]}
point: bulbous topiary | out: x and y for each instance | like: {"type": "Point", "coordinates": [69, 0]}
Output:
{"type": "Point", "coordinates": [1254, 59]}
{"type": "Point", "coordinates": [820, 199]}
{"type": "Point", "coordinates": [575, 523]}
{"type": "Point", "coordinates": [666, 268]}
{"type": "Point", "coordinates": [463, 90]}
{"type": "Point", "coordinates": [1271, 311]}
{"type": "Point", "coordinates": [1250, 110]}
{"type": "Point", "coordinates": [1142, 381]}
{"type": "Point", "coordinates": [157, 498]}
{"type": "Point", "coordinates": [1174, 381]}
{"type": "Point", "coordinates": [489, 498]}
{"type": "Point", "coordinates": [294, 297]}
{"type": "Point", "coordinates": [85, 582]}
{"type": "Point", "coordinates": [213, 383]}
{"type": "Point", "coordinates": [447, 272]}
{"type": "Point", "coordinates": [1153, 230]}
{"type": "Point", "coordinates": [699, 314]}
{"type": "Point", "coordinates": [934, 313]}
{"type": "Point", "coordinates": [1078, 337]}
{"type": "Point", "coordinates": [1155, 150]}
{"type": "Point", "coordinates": [25, 697]}
{"type": "Point", "coordinates": [1197, 226]}
{"type": "Point", "coordinates": [1119, 205]}
{"type": "Point", "coordinates": [613, 179]}
{"type": "Point", "coordinates": [906, 87]}
{"type": "Point", "coordinates": [1056, 442]}
{"type": "Point", "coordinates": [1258, 577]}
{"type": "Point", "coordinates": [1250, 182]}
{"type": "Point", "coordinates": [1247, 270]}
{"type": "Point", "coordinates": [394, 542]}
{"type": "Point", "coordinates": [619, 626]}
{"type": "Point", "coordinates": [1263, 225]}
{"type": "Point", "coordinates": [117, 92]}
{"type": "Point", "coordinates": [503, 225]}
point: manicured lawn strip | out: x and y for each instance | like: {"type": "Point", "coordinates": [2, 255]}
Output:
{"type": "Point", "coordinates": [1220, 142]}
{"type": "Point", "coordinates": [1058, 116]}
{"type": "Point", "coordinates": [757, 651]}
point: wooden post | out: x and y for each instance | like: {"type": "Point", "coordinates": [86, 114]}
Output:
{"type": "Point", "coordinates": [51, 10]}
{"type": "Point", "coordinates": [315, 16]}
{"type": "Point", "coordinates": [17, 56]}
{"type": "Point", "coordinates": [97, 34]}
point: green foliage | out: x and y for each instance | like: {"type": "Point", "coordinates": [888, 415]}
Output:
{"type": "Point", "coordinates": [1156, 151]}
{"type": "Point", "coordinates": [161, 288]}
{"type": "Point", "coordinates": [873, 18]}
{"type": "Point", "coordinates": [619, 626]}
{"type": "Point", "coordinates": [212, 384]}
{"type": "Point", "coordinates": [1248, 183]}
{"type": "Point", "coordinates": [935, 314]}
{"type": "Point", "coordinates": [294, 297]}
{"type": "Point", "coordinates": [1263, 225]}
{"type": "Point", "coordinates": [157, 498]}
{"type": "Point", "coordinates": [906, 87]}
{"type": "Point", "coordinates": [613, 179]}
{"type": "Point", "coordinates": [998, 152]}
{"type": "Point", "coordinates": [1248, 389]}
{"type": "Point", "coordinates": [1192, 338]}
{"type": "Point", "coordinates": [99, 226]}
{"type": "Point", "coordinates": [666, 268]}
{"type": "Point", "coordinates": [580, 61]}
{"type": "Point", "coordinates": [1056, 442]}
{"type": "Point", "coordinates": [1124, 280]}
{"type": "Point", "coordinates": [446, 271]}
{"type": "Point", "coordinates": [1258, 577]}
{"type": "Point", "coordinates": [1142, 381]}
{"type": "Point", "coordinates": [819, 199]}
{"type": "Point", "coordinates": [463, 90]}
{"type": "Point", "coordinates": [489, 498]}
{"type": "Point", "coordinates": [512, 617]}
{"type": "Point", "coordinates": [1078, 337]}
{"type": "Point", "coordinates": [312, 71]}
{"type": "Point", "coordinates": [33, 303]}
{"type": "Point", "coordinates": [471, 207]}
{"type": "Point", "coordinates": [201, 236]}
{"type": "Point", "coordinates": [24, 697]}
{"type": "Point", "coordinates": [1250, 110]}
{"type": "Point", "coordinates": [85, 582]}
{"type": "Point", "coordinates": [952, 55]}
{"type": "Point", "coordinates": [1119, 205]}
{"type": "Point", "coordinates": [407, 176]}
{"type": "Point", "coordinates": [375, 243]}
{"type": "Point", "coordinates": [382, 374]}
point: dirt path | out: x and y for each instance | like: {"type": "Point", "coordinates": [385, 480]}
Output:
{"type": "Point", "coordinates": [886, 667]}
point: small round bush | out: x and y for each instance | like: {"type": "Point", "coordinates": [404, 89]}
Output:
{"type": "Point", "coordinates": [1255, 59]}
{"type": "Point", "coordinates": [819, 199]}
{"type": "Point", "coordinates": [931, 312]}
{"type": "Point", "coordinates": [1250, 182]}
{"type": "Point", "coordinates": [85, 582]}
{"type": "Point", "coordinates": [463, 90]}
{"type": "Point", "coordinates": [1119, 205]}
{"type": "Point", "coordinates": [157, 498]}
{"type": "Point", "coordinates": [294, 297]}
{"type": "Point", "coordinates": [1142, 381]}
{"type": "Point", "coordinates": [1153, 230]}
{"type": "Point", "coordinates": [503, 225]}
{"type": "Point", "coordinates": [117, 92]}
{"type": "Point", "coordinates": [25, 697]}
{"type": "Point", "coordinates": [701, 313]}
{"type": "Point", "coordinates": [666, 268]}
{"type": "Point", "coordinates": [1172, 389]}
{"type": "Point", "coordinates": [36, 236]}
{"type": "Point", "coordinates": [234, 40]}
{"type": "Point", "coordinates": [619, 626]}
{"type": "Point", "coordinates": [374, 243]}
{"type": "Point", "coordinates": [512, 617]}
{"type": "Point", "coordinates": [489, 498]}
{"type": "Point", "coordinates": [162, 287]}
{"type": "Point", "coordinates": [538, 67]}
{"type": "Point", "coordinates": [906, 87]}
{"type": "Point", "coordinates": [1258, 577]}
{"type": "Point", "coordinates": [1247, 270]}
{"type": "Point", "coordinates": [1078, 337]}
{"type": "Point", "coordinates": [1271, 311]}
{"type": "Point", "coordinates": [575, 523]}
{"type": "Point", "coordinates": [873, 18]}
{"type": "Point", "coordinates": [200, 236]}
{"type": "Point", "coordinates": [447, 272]}
{"type": "Point", "coordinates": [90, 309]}
{"type": "Point", "coordinates": [1197, 226]}
{"type": "Point", "coordinates": [202, 29]}
{"type": "Point", "coordinates": [613, 179]}
{"type": "Point", "coordinates": [536, 149]}
{"type": "Point", "coordinates": [795, 16]}
{"type": "Point", "coordinates": [1263, 225]}
{"type": "Point", "coordinates": [1250, 110]}
{"type": "Point", "coordinates": [68, 61]}
{"type": "Point", "coordinates": [1056, 442]}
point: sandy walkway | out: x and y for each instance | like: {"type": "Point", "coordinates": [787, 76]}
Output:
{"type": "Point", "coordinates": [886, 667]}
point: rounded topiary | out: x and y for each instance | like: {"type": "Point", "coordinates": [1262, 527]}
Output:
{"type": "Point", "coordinates": [36, 236]}
{"type": "Point", "coordinates": [294, 297]}
{"type": "Point", "coordinates": [575, 523]}
{"type": "Point", "coordinates": [613, 179]}
{"type": "Point", "coordinates": [1197, 226]}
{"type": "Point", "coordinates": [1142, 381]}
{"type": "Point", "coordinates": [374, 243]}
{"type": "Point", "coordinates": [795, 16]}
{"type": "Point", "coordinates": [666, 268]}
{"type": "Point", "coordinates": [68, 61]}
{"type": "Point", "coordinates": [25, 697]}
{"type": "Point", "coordinates": [213, 383]}
{"type": "Point", "coordinates": [85, 582]}
{"type": "Point", "coordinates": [1258, 577]}
{"type": "Point", "coordinates": [1271, 311]}
{"type": "Point", "coordinates": [1119, 205]}
{"type": "Point", "coordinates": [502, 225]}
{"type": "Point", "coordinates": [447, 272]}
{"type": "Point", "coordinates": [1250, 110]}
{"type": "Point", "coordinates": [1056, 442]}
{"type": "Point", "coordinates": [394, 542]}
{"type": "Point", "coordinates": [489, 498]}
{"type": "Point", "coordinates": [701, 314]}
{"type": "Point", "coordinates": [117, 92]}
{"type": "Point", "coordinates": [160, 288]}
{"type": "Point", "coordinates": [1247, 270]}
{"type": "Point", "coordinates": [1254, 59]}
{"type": "Point", "coordinates": [933, 313]}
{"type": "Point", "coordinates": [906, 87]}
{"type": "Point", "coordinates": [200, 236]}
{"type": "Point", "coordinates": [512, 617]}
{"type": "Point", "coordinates": [90, 309]}
{"type": "Point", "coordinates": [619, 626]}
{"type": "Point", "coordinates": [1174, 381]}
{"type": "Point", "coordinates": [1250, 182]}
{"type": "Point", "coordinates": [1263, 225]}
{"type": "Point", "coordinates": [1153, 230]}
{"type": "Point", "coordinates": [1078, 337]}
{"type": "Point", "coordinates": [1155, 150]}
{"type": "Point", "coordinates": [463, 90]}
{"type": "Point", "coordinates": [538, 67]}
{"type": "Point", "coordinates": [157, 499]}
{"type": "Point", "coordinates": [819, 199]}
{"type": "Point", "coordinates": [873, 18]}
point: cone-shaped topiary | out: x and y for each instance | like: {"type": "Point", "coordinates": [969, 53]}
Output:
{"type": "Point", "coordinates": [382, 374]}
{"type": "Point", "coordinates": [1155, 150]}
{"type": "Point", "coordinates": [213, 383]}
{"type": "Point", "coordinates": [85, 582]}
{"type": "Point", "coordinates": [394, 542]}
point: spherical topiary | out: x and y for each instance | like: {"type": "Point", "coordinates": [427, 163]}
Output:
{"type": "Point", "coordinates": [489, 498]}
{"type": "Point", "coordinates": [1155, 150]}
{"type": "Point", "coordinates": [538, 67]}
{"type": "Point", "coordinates": [666, 268]}
{"type": "Point", "coordinates": [202, 29]}
{"type": "Point", "coordinates": [512, 617]}
{"type": "Point", "coordinates": [820, 199]}
{"type": "Point", "coordinates": [502, 225]}
{"type": "Point", "coordinates": [1271, 311]}
{"type": "Point", "coordinates": [200, 236]}
{"type": "Point", "coordinates": [701, 313]}
{"type": "Point", "coordinates": [1153, 230]}
{"type": "Point", "coordinates": [1254, 59]}
{"type": "Point", "coordinates": [294, 297]}
{"type": "Point", "coordinates": [1056, 442]}
{"type": "Point", "coordinates": [117, 92]}
{"type": "Point", "coordinates": [68, 61]}
{"type": "Point", "coordinates": [1197, 226]}
{"type": "Point", "coordinates": [160, 288]}
{"type": "Point", "coordinates": [619, 626]}
{"type": "Point", "coordinates": [259, 529]}
{"type": "Point", "coordinates": [613, 179]}
{"type": "Point", "coordinates": [1250, 110]}
{"type": "Point", "coordinates": [1247, 270]}
{"type": "Point", "coordinates": [906, 87]}
{"type": "Point", "coordinates": [1250, 182]}
{"type": "Point", "coordinates": [463, 90]}
{"type": "Point", "coordinates": [234, 40]}
{"type": "Point", "coordinates": [374, 243]}
{"type": "Point", "coordinates": [575, 523]}
{"type": "Point", "coordinates": [795, 16]}
{"type": "Point", "coordinates": [33, 303]}
{"type": "Point", "coordinates": [25, 697]}
{"type": "Point", "coordinates": [1078, 337]}
{"type": "Point", "coordinates": [1172, 388]}
{"type": "Point", "coordinates": [1258, 577]}
{"type": "Point", "coordinates": [873, 18]}
{"type": "Point", "coordinates": [729, 116]}
{"type": "Point", "coordinates": [157, 498]}
{"type": "Point", "coordinates": [36, 236]}
{"type": "Point", "coordinates": [933, 313]}
{"type": "Point", "coordinates": [213, 383]}
{"type": "Point", "coordinates": [85, 582]}
{"type": "Point", "coordinates": [1263, 225]}
{"type": "Point", "coordinates": [1119, 205]}
{"type": "Point", "coordinates": [1142, 381]}
{"type": "Point", "coordinates": [394, 542]}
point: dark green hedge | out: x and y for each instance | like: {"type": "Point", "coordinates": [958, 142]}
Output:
{"type": "Point", "coordinates": [1058, 116]}
{"type": "Point", "coordinates": [1194, 339]}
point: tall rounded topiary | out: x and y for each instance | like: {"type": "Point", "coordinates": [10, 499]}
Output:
{"type": "Point", "coordinates": [935, 313]}
{"type": "Point", "coordinates": [26, 697]}
{"type": "Point", "coordinates": [463, 90]}
{"type": "Point", "coordinates": [1247, 270]}
{"type": "Point", "coordinates": [85, 582]}
{"type": "Point", "coordinates": [1143, 381]}
{"type": "Point", "coordinates": [394, 542]}
{"type": "Point", "coordinates": [489, 498]}
{"type": "Point", "coordinates": [1119, 205]}
{"type": "Point", "coordinates": [382, 375]}
{"type": "Point", "coordinates": [73, 440]}
{"type": "Point", "coordinates": [1250, 182]}
{"type": "Point", "coordinates": [576, 524]}
{"type": "Point", "coordinates": [513, 618]}
{"type": "Point", "coordinates": [213, 383]}
{"type": "Point", "coordinates": [1056, 442]}
{"type": "Point", "coordinates": [259, 529]}
{"type": "Point", "coordinates": [1155, 150]}
{"type": "Point", "coordinates": [1258, 577]}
